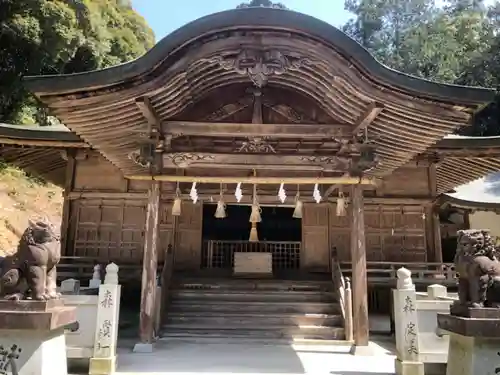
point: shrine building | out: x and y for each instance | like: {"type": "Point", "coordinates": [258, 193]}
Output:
{"type": "Point", "coordinates": [253, 130]}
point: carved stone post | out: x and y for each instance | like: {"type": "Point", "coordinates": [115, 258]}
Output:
{"type": "Point", "coordinates": [406, 326]}
{"type": "Point", "coordinates": [103, 361]}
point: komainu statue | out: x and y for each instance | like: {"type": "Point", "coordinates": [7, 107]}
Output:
{"type": "Point", "coordinates": [30, 273]}
{"type": "Point", "coordinates": [478, 269]}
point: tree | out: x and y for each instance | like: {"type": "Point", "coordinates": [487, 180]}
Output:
{"type": "Point", "coordinates": [62, 36]}
{"type": "Point", "coordinates": [261, 3]}
{"type": "Point", "coordinates": [456, 43]}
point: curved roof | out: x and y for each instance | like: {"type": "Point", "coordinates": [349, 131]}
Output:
{"type": "Point", "coordinates": [264, 18]}
{"type": "Point", "coordinates": [308, 57]}
{"type": "Point", "coordinates": [37, 149]}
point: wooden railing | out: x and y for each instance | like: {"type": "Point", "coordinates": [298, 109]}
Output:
{"type": "Point", "coordinates": [165, 283]}
{"type": "Point", "coordinates": [384, 273]}
{"type": "Point", "coordinates": [343, 287]}
{"type": "Point", "coordinates": [82, 268]}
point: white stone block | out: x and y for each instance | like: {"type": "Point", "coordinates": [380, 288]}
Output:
{"type": "Point", "coordinates": [436, 291]}
{"type": "Point", "coordinates": [70, 286]}
{"type": "Point", "coordinates": [253, 263]}
{"type": "Point", "coordinates": [33, 352]}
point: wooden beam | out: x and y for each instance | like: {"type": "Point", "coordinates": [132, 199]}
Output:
{"type": "Point", "coordinates": [149, 266]}
{"type": "Point", "coordinates": [367, 117]}
{"type": "Point", "coordinates": [148, 111]}
{"type": "Point", "coordinates": [221, 129]}
{"type": "Point", "coordinates": [438, 251]}
{"type": "Point", "coordinates": [257, 180]}
{"type": "Point", "coordinates": [358, 255]}
{"type": "Point", "coordinates": [293, 162]}
{"type": "Point", "coordinates": [42, 143]}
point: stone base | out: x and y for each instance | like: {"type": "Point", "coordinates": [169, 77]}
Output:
{"type": "Point", "coordinates": [470, 327]}
{"type": "Point", "coordinates": [35, 315]}
{"type": "Point", "coordinates": [143, 348]}
{"type": "Point", "coordinates": [34, 352]}
{"type": "Point", "coordinates": [476, 313]}
{"type": "Point", "coordinates": [474, 343]}
{"type": "Point", "coordinates": [102, 366]}
{"type": "Point", "coordinates": [472, 355]}
{"type": "Point", "coordinates": [362, 351]}
{"type": "Point", "coordinates": [409, 368]}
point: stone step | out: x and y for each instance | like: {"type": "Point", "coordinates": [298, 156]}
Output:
{"type": "Point", "coordinates": [253, 295]}
{"type": "Point", "coordinates": [201, 306]}
{"type": "Point", "coordinates": [315, 333]}
{"type": "Point", "coordinates": [269, 285]}
{"type": "Point", "coordinates": [245, 319]}
{"type": "Point", "coordinates": [305, 344]}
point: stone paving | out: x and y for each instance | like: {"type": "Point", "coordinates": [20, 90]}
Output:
{"type": "Point", "coordinates": [192, 358]}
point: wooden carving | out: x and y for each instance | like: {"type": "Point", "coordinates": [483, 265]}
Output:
{"type": "Point", "coordinates": [259, 65]}
{"type": "Point", "coordinates": [257, 145]}
{"type": "Point", "coordinates": [184, 159]}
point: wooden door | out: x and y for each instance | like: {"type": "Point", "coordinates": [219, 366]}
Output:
{"type": "Point", "coordinates": [315, 237]}
{"type": "Point", "coordinates": [187, 252]}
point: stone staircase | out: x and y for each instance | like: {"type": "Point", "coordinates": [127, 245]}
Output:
{"type": "Point", "coordinates": [266, 311]}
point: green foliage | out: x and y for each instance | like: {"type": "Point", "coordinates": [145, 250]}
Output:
{"type": "Point", "coordinates": [456, 43]}
{"type": "Point", "coordinates": [262, 3]}
{"type": "Point", "coordinates": [62, 36]}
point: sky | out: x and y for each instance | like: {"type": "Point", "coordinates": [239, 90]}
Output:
{"type": "Point", "coordinates": [165, 18]}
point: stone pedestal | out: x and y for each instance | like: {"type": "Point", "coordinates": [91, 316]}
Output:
{"type": "Point", "coordinates": [32, 338]}
{"type": "Point", "coordinates": [474, 340]}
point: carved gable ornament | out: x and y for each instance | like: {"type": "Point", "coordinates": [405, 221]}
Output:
{"type": "Point", "coordinates": [259, 65]}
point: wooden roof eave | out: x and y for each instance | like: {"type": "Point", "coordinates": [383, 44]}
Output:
{"type": "Point", "coordinates": [263, 18]}
{"type": "Point", "coordinates": [467, 204]}
{"type": "Point", "coordinates": [39, 136]}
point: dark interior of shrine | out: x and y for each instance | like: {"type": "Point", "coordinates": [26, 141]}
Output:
{"type": "Point", "coordinates": [277, 224]}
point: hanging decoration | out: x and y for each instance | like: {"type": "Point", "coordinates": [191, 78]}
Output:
{"type": "Point", "coordinates": [176, 207]}
{"type": "Point", "coordinates": [341, 204]}
{"type": "Point", "coordinates": [220, 212]}
{"type": "Point", "coordinates": [316, 194]}
{"type": "Point", "coordinates": [238, 193]}
{"type": "Point", "coordinates": [297, 212]}
{"type": "Point", "coordinates": [255, 217]}
{"type": "Point", "coordinates": [194, 193]}
{"type": "Point", "coordinates": [282, 193]}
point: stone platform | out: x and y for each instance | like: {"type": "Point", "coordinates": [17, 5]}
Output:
{"type": "Point", "coordinates": [32, 340]}
{"type": "Point", "coordinates": [474, 340]}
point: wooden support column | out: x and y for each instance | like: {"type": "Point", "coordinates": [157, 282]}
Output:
{"type": "Point", "coordinates": [359, 277]}
{"type": "Point", "coordinates": [149, 267]}
{"type": "Point", "coordinates": [438, 251]}
{"type": "Point", "coordinates": [69, 179]}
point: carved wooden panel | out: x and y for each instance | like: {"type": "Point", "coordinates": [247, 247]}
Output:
{"type": "Point", "coordinates": [108, 229]}
{"type": "Point", "coordinates": [188, 247]}
{"type": "Point", "coordinates": [315, 237]}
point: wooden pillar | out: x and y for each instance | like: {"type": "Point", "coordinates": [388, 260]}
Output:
{"type": "Point", "coordinates": [438, 251]}
{"type": "Point", "coordinates": [149, 266]}
{"type": "Point", "coordinates": [69, 179]}
{"type": "Point", "coordinates": [359, 277]}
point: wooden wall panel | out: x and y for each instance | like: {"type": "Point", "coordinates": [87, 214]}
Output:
{"type": "Point", "coordinates": [408, 181]}
{"type": "Point", "coordinates": [340, 233]}
{"type": "Point", "coordinates": [97, 173]}
{"type": "Point", "coordinates": [187, 251]}
{"type": "Point", "coordinates": [393, 233]}
{"type": "Point", "coordinates": [166, 229]}
{"type": "Point", "coordinates": [109, 229]}
{"type": "Point", "coordinates": [315, 237]}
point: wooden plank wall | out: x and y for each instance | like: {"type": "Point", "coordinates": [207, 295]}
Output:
{"type": "Point", "coordinates": [113, 227]}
